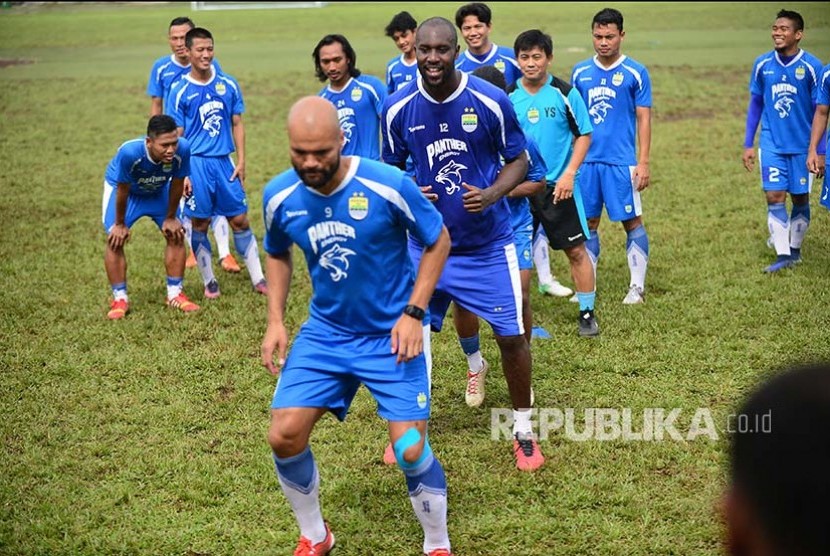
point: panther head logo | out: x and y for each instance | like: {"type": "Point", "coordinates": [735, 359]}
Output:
{"type": "Point", "coordinates": [348, 129]}
{"type": "Point", "coordinates": [599, 110]}
{"type": "Point", "coordinates": [336, 261]}
{"type": "Point", "coordinates": [450, 176]}
{"type": "Point", "coordinates": [782, 105]}
{"type": "Point", "coordinates": [212, 125]}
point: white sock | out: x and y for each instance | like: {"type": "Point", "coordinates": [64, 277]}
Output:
{"type": "Point", "coordinates": [306, 506]}
{"type": "Point", "coordinates": [222, 235]}
{"type": "Point", "coordinates": [779, 228]}
{"type": "Point", "coordinates": [476, 362]}
{"type": "Point", "coordinates": [203, 261]}
{"type": "Point", "coordinates": [521, 421]}
{"type": "Point", "coordinates": [541, 258]}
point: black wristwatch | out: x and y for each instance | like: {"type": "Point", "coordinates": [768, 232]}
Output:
{"type": "Point", "coordinates": [415, 312]}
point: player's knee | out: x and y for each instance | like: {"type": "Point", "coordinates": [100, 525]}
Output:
{"type": "Point", "coordinates": [576, 254]}
{"type": "Point", "coordinates": [409, 450]}
{"type": "Point", "coordinates": [285, 441]}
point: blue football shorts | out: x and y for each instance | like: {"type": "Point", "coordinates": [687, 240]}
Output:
{"type": "Point", "coordinates": [785, 172]}
{"type": "Point", "coordinates": [522, 236]}
{"type": "Point", "coordinates": [824, 200]}
{"type": "Point", "coordinates": [325, 369]}
{"type": "Point", "coordinates": [153, 206]}
{"type": "Point", "coordinates": [213, 193]}
{"type": "Point", "coordinates": [485, 283]}
{"type": "Point", "coordinates": [610, 185]}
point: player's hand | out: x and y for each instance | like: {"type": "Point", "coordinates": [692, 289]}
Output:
{"type": "Point", "coordinates": [476, 199]}
{"type": "Point", "coordinates": [816, 164]}
{"type": "Point", "coordinates": [642, 176]}
{"type": "Point", "coordinates": [564, 188]}
{"type": "Point", "coordinates": [407, 338]}
{"type": "Point", "coordinates": [427, 191]}
{"type": "Point", "coordinates": [187, 188]}
{"type": "Point", "coordinates": [239, 172]}
{"type": "Point", "coordinates": [172, 229]}
{"type": "Point", "coordinates": [276, 339]}
{"type": "Point", "coordinates": [749, 159]}
{"type": "Point", "coordinates": [118, 236]}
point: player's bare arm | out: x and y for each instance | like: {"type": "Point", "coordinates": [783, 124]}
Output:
{"type": "Point", "coordinates": [816, 162]}
{"type": "Point", "coordinates": [120, 233]}
{"type": "Point", "coordinates": [642, 173]}
{"type": "Point", "coordinates": [239, 142]}
{"type": "Point", "coordinates": [278, 271]}
{"type": "Point", "coordinates": [511, 175]}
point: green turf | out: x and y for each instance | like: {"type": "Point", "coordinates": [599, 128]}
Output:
{"type": "Point", "coordinates": [147, 436]}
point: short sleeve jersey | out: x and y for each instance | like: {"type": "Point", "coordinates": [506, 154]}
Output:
{"type": "Point", "coordinates": [133, 165]}
{"type": "Point", "coordinates": [358, 105]}
{"type": "Point", "coordinates": [399, 73]}
{"type": "Point", "coordinates": [166, 71]}
{"type": "Point", "coordinates": [354, 241]}
{"type": "Point", "coordinates": [500, 57]}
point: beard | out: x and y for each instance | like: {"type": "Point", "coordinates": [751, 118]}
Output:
{"type": "Point", "coordinates": [319, 178]}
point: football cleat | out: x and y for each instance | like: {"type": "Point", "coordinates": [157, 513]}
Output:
{"type": "Point", "coordinates": [588, 326]}
{"type": "Point", "coordinates": [780, 264]}
{"type": "Point", "coordinates": [528, 455]}
{"type": "Point", "coordinates": [261, 287]}
{"type": "Point", "coordinates": [635, 295]}
{"type": "Point", "coordinates": [182, 303]}
{"type": "Point", "coordinates": [118, 309]}
{"type": "Point", "coordinates": [439, 552]}
{"type": "Point", "coordinates": [306, 548]}
{"type": "Point", "coordinates": [229, 264]}
{"type": "Point", "coordinates": [212, 289]}
{"type": "Point", "coordinates": [555, 289]}
{"type": "Point", "coordinates": [474, 395]}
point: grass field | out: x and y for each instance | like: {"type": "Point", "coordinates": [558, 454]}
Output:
{"type": "Point", "coordinates": [147, 436]}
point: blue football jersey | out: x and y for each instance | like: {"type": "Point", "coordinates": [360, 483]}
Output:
{"type": "Point", "coordinates": [132, 165]}
{"type": "Point", "coordinates": [358, 105]}
{"type": "Point", "coordinates": [354, 241]}
{"type": "Point", "coordinates": [462, 139]}
{"type": "Point", "coordinates": [399, 73]}
{"type": "Point", "coordinates": [612, 96]}
{"type": "Point", "coordinates": [790, 91]}
{"type": "Point", "coordinates": [520, 216]}
{"type": "Point", "coordinates": [165, 71]}
{"type": "Point", "coordinates": [205, 111]}
{"type": "Point", "coordinates": [500, 57]}
{"type": "Point", "coordinates": [823, 96]}
{"type": "Point", "coordinates": [553, 117]}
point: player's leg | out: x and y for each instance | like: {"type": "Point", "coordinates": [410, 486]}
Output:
{"type": "Point", "coordinates": [221, 231]}
{"type": "Point", "coordinates": [190, 262]}
{"type": "Point", "coordinates": [466, 326]}
{"type": "Point", "coordinates": [115, 260]}
{"type": "Point", "coordinates": [623, 204]}
{"type": "Point", "coordinates": [800, 186]}
{"type": "Point", "coordinates": [774, 181]}
{"type": "Point", "coordinates": [548, 283]}
{"type": "Point", "coordinates": [174, 262]}
{"type": "Point", "coordinates": [199, 207]}
{"type": "Point", "coordinates": [590, 185]}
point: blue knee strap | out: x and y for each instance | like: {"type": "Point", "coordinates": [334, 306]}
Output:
{"type": "Point", "coordinates": [410, 438]}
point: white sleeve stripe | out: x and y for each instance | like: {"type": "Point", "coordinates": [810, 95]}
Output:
{"type": "Point", "coordinates": [390, 115]}
{"type": "Point", "coordinates": [371, 89]}
{"type": "Point", "coordinates": [275, 202]}
{"type": "Point", "coordinates": [496, 109]}
{"type": "Point", "coordinates": [179, 97]}
{"type": "Point", "coordinates": [390, 194]}
{"type": "Point", "coordinates": [760, 65]}
{"type": "Point", "coordinates": [636, 75]}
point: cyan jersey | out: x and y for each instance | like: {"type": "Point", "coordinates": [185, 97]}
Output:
{"type": "Point", "coordinates": [132, 165]}
{"type": "Point", "coordinates": [205, 111]}
{"type": "Point", "coordinates": [500, 57]}
{"type": "Point", "coordinates": [612, 96]}
{"type": "Point", "coordinates": [358, 105]}
{"type": "Point", "coordinates": [789, 92]}
{"type": "Point", "coordinates": [823, 96]}
{"type": "Point", "coordinates": [553, 117]}
{"type": "Point", "coordinates": [399, 73]}
{"type": "Point", "coordinates": [165, 71]}
{"type": "Point", "coordinates": [462, 139]}
{"type": "Point", "coordinates": [520, 216]}
{"type": "Point", "coordinates": [354, 241]}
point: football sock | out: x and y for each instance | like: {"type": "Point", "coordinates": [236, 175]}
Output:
{"type": "Point", "coordinates": [119, 291]}
{"type": "Point", "coordinates": [188, 229]}
{"type": "Point", "coordinates": [779, 227]}
{"type": "Point", "coordinates": [636, 247]}
{"type": "Point", "coordinates": [586, 300]}
{"type": "Point", "coordinates": [220, 232]}
{"type": "Point", "coordinates": [521, 421]}
{"type": "Point", "coordinates": [174, 286]}
{"type": "Point", "coordinates": [247, 247]}
{"type": "Point", "coordinates": [592, 246]}
{"type": "Point", "coordinates": [427, 486]}
{"type": "Point", "coordinates": [300, 482]}
{"type": "Point", "coordinates": [541, 258]}
{"type": "Point", "coordinates": [799, 222]}
{"type": "Point", "coordinates": [472, 349]}
{"type": "Point", "coordinates": [201, 248]}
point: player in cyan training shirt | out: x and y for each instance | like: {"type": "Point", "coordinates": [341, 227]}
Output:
{"type": "Point", "coordinates": [351, 217]}
{"type": "Point", "coordinates": [357, 97]}
{"type": "Point", "coordinates": [783, 87]}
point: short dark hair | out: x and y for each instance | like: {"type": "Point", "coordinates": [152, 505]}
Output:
{"type": "Point", "coordinates": [196, 33]}
{"type": "Point", "coordinates": [347, 50]}
{"type": "Point", "coordinates": [478, 9]}
{"type": "Point", "coordinates": [182, 21]}
{"type": "Point", "coordinates": [781, 469]}
{"type": "Point", "coordinates": [440, 22]}
{"type": "Point", "coordinates": [401, 23]}
{"type": "Point", "coordinates": [160, 124]}
{"type": "Point", "coordinates": [607, 16]}
{"type": "Point", "coordinates": [491, 75]}
{"type": "Point", "coordinates": [795, 17]}
{"type": "Point", "coordinates": [528, 40]}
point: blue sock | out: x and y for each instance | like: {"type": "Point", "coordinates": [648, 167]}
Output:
{"type": "Point", "coordinates": [470, 345]}
{"type": "Point", "coordinates": [242, 240]}
{"type": "Point", "coordinates": [173, 282]}
{"type": "Point", "coordinates": [298, 471]}
{"type": "Point", "coordinates": [637, 237]}
{"type": "Point", "coordinates": [592, 245]}
{"type": "Point", "coordinates": [199, 239]}
{"type": "Point", "coordinates": [119, 291]}
{"type": "Point", "coordinates": [586, 301]}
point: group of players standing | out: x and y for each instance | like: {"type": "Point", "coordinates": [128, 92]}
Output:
{"type": "Point", "coordinates": [389, 249]}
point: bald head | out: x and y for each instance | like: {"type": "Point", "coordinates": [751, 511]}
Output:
{"type": "Point", "coordinates": [315, 139]}
{"type": "Point", "coordinates": [313, 116]}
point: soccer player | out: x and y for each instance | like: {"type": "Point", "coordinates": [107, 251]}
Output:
{"type": "Point", "coordinates": [207, 106]}
{"type": "Point", "coordinates": [617, 92]}
{"type": "Point", "coordinates": [357, 97]}
{"type": "Point", "coordinates": [521, 221]}
{"type": "Point", "coordinates": [350, 216]}
{"type": "Point", "coordinates": [457, 128]}
{"type": "Point", "coordinates": [816, 155]}
{"type": "Point", "coordinates": [783, 87]}
{"type": "Point", "coordinates": [475, 23]}
{"type": "Point", "coordinates": [778, 461]}
{"type": "Point", "coordinates": [145, 178]}
{"type": "Point", "coordinates": [166, 71]}
{"type": "Point", "coordinates": [554, 115]}
{"type": "Point", "coordinates": [402, 69]}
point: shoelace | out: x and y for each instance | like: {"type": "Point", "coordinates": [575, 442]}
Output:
{"type": "Point", "coordinates": [526, 446]}
{"type": "Point", "coordinates": [472, 383]}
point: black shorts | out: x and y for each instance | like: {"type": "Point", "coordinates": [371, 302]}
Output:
{"type": "Point", "coordinates": [560, 221]}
